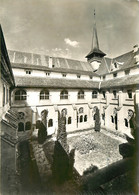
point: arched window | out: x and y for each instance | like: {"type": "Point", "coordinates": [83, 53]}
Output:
{"type": "Point", "coordinates": [94, 94]}
{"type": "Point", "coordinates": [28, 125]}
{"type": "Point", "coordinates": [44, 95]}
{"type": "Point", "coordinates": [126, 122]}
{"type": "Point", "coordinates": [64, 94]}
{"type": "Point", "coordinates": [64, 112]}
{"type": "Point", "coordinates": [81, 118]}
{"type": "Point", "coordinates": [20, 95]}
{"type": "Point", "coordinates": [20, 126]}
{"type": "Point", "coordinates": [81, 94]}
{"type": "Point", "coordinates": [112, 119]}
{"type": "Point", "coordinates": [69, 120]}
{"type": "Point", "coordinates": [50, 123]}
{"type": "Point", "coordinates": [85, 118]}
{"type": "Point", "coordinates": [80, 110]}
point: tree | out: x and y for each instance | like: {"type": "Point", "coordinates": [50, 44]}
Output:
{"type": "Point", "coordinates": [97, 120]}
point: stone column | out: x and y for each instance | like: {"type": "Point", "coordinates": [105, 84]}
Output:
{"type": "Point", "coordinates": [107, 98]}
{"type": "Point", "coordinates": [120, 99]}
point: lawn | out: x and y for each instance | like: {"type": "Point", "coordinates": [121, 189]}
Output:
{"type": "Point", "coordinates": [95, 149]}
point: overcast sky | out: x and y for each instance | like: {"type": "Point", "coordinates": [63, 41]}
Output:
{"type": "Point", "coordinates": [64, 27]}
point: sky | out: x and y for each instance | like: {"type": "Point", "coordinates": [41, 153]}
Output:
{"type": "Point", "coordinates": [65, 27]}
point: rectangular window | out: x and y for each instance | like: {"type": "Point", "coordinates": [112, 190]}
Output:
{"type": "Point", "coordinates": [28, 72]}
{"type": "Point", "coordinates": [127, 72]}
{"type": "Point", "coordinates": [78, 76]}
{"type": "Point", "coordinates": [104, 77]}
{"type": "Point", "coordinates": [64, 75]}
{"type": "Point", "coordinates": [129, 92]}
{"type": "Point", "coordinates": [47, 73]}
{"type": "Point", "coordinates": [114, 94]}
{"type": "Point", "coordinates": [114, 75]}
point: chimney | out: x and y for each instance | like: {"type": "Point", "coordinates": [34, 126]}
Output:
{"type": "Point", "coordinates": [50, 62]}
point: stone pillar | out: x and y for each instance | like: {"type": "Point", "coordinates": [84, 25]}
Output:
{"type": "Point", "coordinates": [34, 115]}
{"type": "Point", "coordinates": [107, 98]}
{"type": "Point", "coordinates": [120, 99]}
{"type": "Point", "coordinates": [137, 97]}
{"type": "Point", "coordinates": [56, 121]}
{"type": "Point", "coordinates": [74, 121]}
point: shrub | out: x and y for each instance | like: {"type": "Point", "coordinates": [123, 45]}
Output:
{"type": "Point", "coordinates": [97, 120]}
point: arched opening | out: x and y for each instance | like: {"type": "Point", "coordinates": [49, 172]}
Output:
{"type": "Point", "coordinates": [94, 94]}
{"type": "Point", "coordinates": [81, 110]}
{"type": "Point", "coordinates": [44, 95]}
{"type": "Point", "coordinates": [126, 122]}
{"type": "Point", "coordinates": [81, 94]}
{"type": "Point", "coordinates": [81, 118]}
{"type": "Point", "coordinates": [28, 125]}
{"type": "Point", "coordinates": [50, 123]}
{"type": "Point", "coordinates": [112, 119]}
{"type": "Point", "coordinates": [85, 118]}
{"type": "Point", "coordinates": [64, 94]}
{"type": "Point", "coordinates": [20, 126]}
{"type": "Point", "coordinates": [20, 95]}
{"type": "Point", "coordinates": [69, 120]}
{"type": "Point", "coordinates": [64, 112]}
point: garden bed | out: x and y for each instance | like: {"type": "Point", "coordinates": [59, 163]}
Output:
{"type": "Point", "coordinates": [94, 149]}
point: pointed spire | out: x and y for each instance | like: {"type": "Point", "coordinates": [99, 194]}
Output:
{"type": "Point", "coordinates": [95, 53]}
{"type": "Point", "coordinates": [95, 44]}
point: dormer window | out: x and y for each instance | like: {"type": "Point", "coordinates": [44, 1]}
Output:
{"type": "Point", "coordinates": [114, 75]}
{"type": "Point", "coordinates": [53, 66]}
{"type": "Point", "coordinates": [28, 71]}
{"type": "Point", "coordinates": [64, 75]}
{"type": "Point", "coordinates": [78, 76]}
{"type": "Point", "coordinates": [127, 72]}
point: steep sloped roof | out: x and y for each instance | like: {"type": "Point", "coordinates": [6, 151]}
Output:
{"type": "Point", "coordinates": [60, 63]}
{"type": "Point", "coordinates": [54, 83]}
{"type": "Point", "coordinates": [104, 67]}
{"type": "Point", "coordinates": [124, 81]}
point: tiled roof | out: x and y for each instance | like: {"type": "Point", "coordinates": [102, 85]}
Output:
{"type": "Point", "coordinates": [54, 83]}
{"type": "Point", "coordinates": [43, 60]}
{"type": "Point", "coordinates": [104, 67]}
{"type": "Point", "coordinates": [124, 81]}
{"type": "Point", "coordinates": [62, 70]}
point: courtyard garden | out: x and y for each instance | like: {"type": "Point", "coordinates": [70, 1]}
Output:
{"type": "Point", "coordinates": [94, 149]}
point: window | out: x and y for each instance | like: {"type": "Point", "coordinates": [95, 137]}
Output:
{"type": "Point", "coordinates": [114, 75]}
{"type": "Point", "coordinates": [28, 125]}
{"type": "Point", "coordinates": [91, 77]}
{"type": "Point", "coordinates": [47, 73]}
{"type": "Point", "coordinates": [53, 65]}
{"type": "Point", "coordinates": [81, 94]}
{"type": "Point", "coordinates": [127, 72]}
{"type": "Point", "coordinates": [20, 126]}
{"type": "Point", "coordinates": [20, 95]}
{"type": "Point", "coordinates": [114, 94]}
{"type": "Point", "coordinates": [3, 95]}
{"type": "Point", "coordinates": [64, 94]}
{"type": "Point", "coordinates": [64, 75]}
{"type": "Point", "coordinates": [44, 95]}
{"type": "Point", "coordinates": [28, 71]}
{"type": "Point", "coordinates": [112, 119]}
{"type": "Point", "coordinates": [94, 94]}
{"type": "Point", "coordinates": [85, 118]}
{"type": "Point", "coordinates": [69, 120]}
{"type": "Point", "coordinates": [115, 64]}
{"type": "Point", "coordinates": [81, 118]}
{"type": "Point", "coordinates": [104, 77]}
{"type": "Point", "coordinates": [129, 92]}
{"type": "Point", "coordinates": [126, 122]}
{"type": "Point", "coordinates": [81, 110]}
{"type": "Point", "coordinates": [78, 76]}
{"type": "Point", "coordinates": [50, 123]}
{"type": "Point", "coordinates": [20, 116]}
{"type": "Point", "coordinates": [104, 94]}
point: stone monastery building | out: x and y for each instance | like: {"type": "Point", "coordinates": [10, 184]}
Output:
{"type": "Point", "coordinates": [58, 84]}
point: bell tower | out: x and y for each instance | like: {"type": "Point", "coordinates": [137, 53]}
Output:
{"type": "Point", "coordinates": [95, 55]}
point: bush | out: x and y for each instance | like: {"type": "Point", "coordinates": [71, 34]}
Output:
{"type": "Point", "coordinates": [97, 120]}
